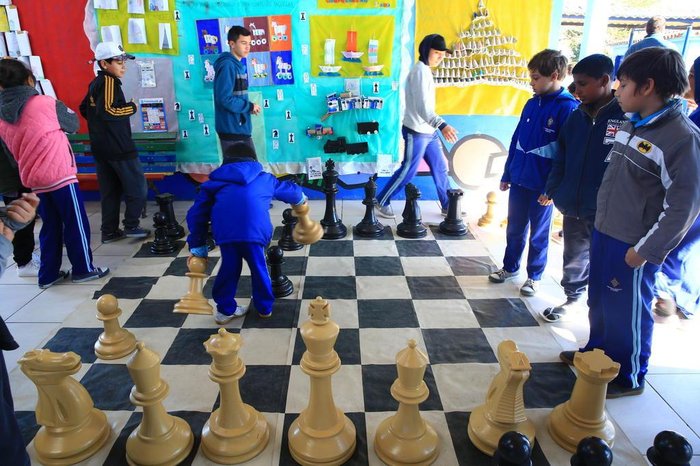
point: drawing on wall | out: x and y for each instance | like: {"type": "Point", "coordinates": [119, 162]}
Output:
{"type": "Point", "coordinates": [158, 5]}
{"type": "Point", "coordinates": [208, 37]}
{"type": "Point", "coordinates": [135, 7]}
{"type": "Point", "coordinates": [106, 4]}
{"type": "Point", "coordinates": [137, 31]}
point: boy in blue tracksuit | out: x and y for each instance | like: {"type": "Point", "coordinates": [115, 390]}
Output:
{"type": "Point", "coordinates": [232, 107]}
{"type": "Point", "coordinates": [649, 198]}
{"type": "Point", "coordinates": [236, 200]}
{"type": "Point", "coordinates": [532, 149]}
{"type": "Point", "coordinates": [585, 141]}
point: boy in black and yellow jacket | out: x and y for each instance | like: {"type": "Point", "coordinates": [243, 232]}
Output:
{"type": "Point", "coordinates": [119, 170]}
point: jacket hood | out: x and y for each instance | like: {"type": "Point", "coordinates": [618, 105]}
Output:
{"type": "Point", "coordinates": [12, 101]}
{"type": "Point", "coordinates": [226, 57]}
{"type": "Point", "coordinates": [424, 48]}
{"type": "Point", "coordinates": [696, 70]}
{"type": "Point", "coordinates": [237, 172]}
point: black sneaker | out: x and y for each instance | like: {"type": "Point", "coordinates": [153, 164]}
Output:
{"type": "Point", "coordinates": [618, 391]}
{"type": "Point", "coordinates": [567, 357]}
{"type": "Point", "coordinates": [137, 232]}
{"type": "Point", "coordinates": [112, 237]}
{"type": "Point", "coordinates": [99, 272]}
{"type": "Point", "coordinates": [62, 275]}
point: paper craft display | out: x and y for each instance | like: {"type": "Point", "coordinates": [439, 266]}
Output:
{"type": "Point", "coordinates": [153, 115]}
{"type": "Point", "coordinates": [357, 52]}
{"type": "Point", "coordinates": [35, 65]}
{"type": "Point", "coordinates": [4, 24]}
{"type": "Point", "coordinates": [483, 55]}
{"type": "Point", "coordinates": [270, 59]}
{"type": "Point", "coordinates": [46, 87]}
{"type": "Point", "coordinates": [345, 4]}
{"type": "Point", "coordinates": [349, 101]}
{"type": "Point", "coordinates": [158, 5]}
{"type": "Point", "coordinates": [23, 42]}
{"type": "Point", "coordinates": [13, 18]}
{"type": "Point", "coordinates": [165, 36]}
{"type": "Point", "coordinates": [318, 131]}
{"type": "Point", "coordinates": [136, 7]}
{"type": "Point", "coordinates": [105, 4]}
{"type": "Point", "coordinates": [111, 34]}
{"type": "Point", "coordinates": [137, 31]}
{"type": "Point", "coordinates": [3, 46]}
{"type": "Point", "coordinates": [12, 44]}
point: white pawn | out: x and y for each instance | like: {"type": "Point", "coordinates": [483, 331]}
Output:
{"type": "Point", "coordinates": [115, 342]}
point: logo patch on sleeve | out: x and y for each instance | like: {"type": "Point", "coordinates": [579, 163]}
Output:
{"type": "Point", "coordinates": [644, 147]}
{"type": "Point", "coordinates": [611, 130]}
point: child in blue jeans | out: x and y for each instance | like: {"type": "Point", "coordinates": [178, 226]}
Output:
{"type": "Point", "coordinates": [236, 200]}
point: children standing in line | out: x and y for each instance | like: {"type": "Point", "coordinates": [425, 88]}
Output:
{"type": "Point", "coordinates": [649, 198]}
{"type": "Point", "coordinates": [585, 141]}
{"type": "Point", "coordinates": [32, 127]}
{"type": "Point", "coordinates": [236, 200]}
{"type": "Point", "coordinates": [119, 171]}
{"type": "Point", "coordinates": [532, 149]}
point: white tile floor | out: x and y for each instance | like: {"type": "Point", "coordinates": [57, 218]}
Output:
{"type": "Point", "coordinates": [671, 401]}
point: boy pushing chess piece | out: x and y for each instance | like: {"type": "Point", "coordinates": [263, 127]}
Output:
{"type": "Point", "coordinates": [236, 200]}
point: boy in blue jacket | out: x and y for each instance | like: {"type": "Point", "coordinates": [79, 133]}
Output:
{"type": "Point", "coordinates": [236, 200]}
{"type": "Point", "coordinates": [585, 141]}
{"type": "Point", "coordinates": [232, 108]}
{"type": "Point", "coordinates": [649, 198]}
{"type": "Point", "coordinates": [532, 149]}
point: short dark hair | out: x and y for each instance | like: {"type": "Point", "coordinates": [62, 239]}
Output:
{"type": "Point", "coordinates": [13, 73]}
{"type": "Point", "coordinates": [236, 31]}
{"type": "Point", "coordinates": [547, 62]}
{"type": "Point", "coordinates": [665, 66]}
{"type": "Point", "coordinates": [656, 24]}
{"type": "Point", "coordinates": [596, 66]}
{"type": "Point", "coordinates": [239, 152]}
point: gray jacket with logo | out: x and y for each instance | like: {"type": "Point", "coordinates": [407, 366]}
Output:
{"type": "Point", "coordinates": [650, 194]}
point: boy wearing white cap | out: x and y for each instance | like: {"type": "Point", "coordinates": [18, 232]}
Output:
{"type": "Point", "coordinates": [119, 171]}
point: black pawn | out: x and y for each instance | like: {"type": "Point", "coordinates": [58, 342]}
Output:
{"type": "Point", "coordinates": [513, 450]}
{"type": "Point", "coordinates": [369, 227]}
{"type": "Point", "coordinates": [162, 244]}
{"type": "Point", "coordinates": [592, 451]}
{"type": "Point", "coordinates": [165, 205]}
{"type": "Point", "coordinates": [287, 242]}
{"type": "Point", "coordinates": [453, 224]}
{"type": "Point", "coordinates": [412, 225]}
{"type": "Point", "coordinates": [333, 227]}
{"type": "Point", "coordinates": [281, 285]}
{"type": "Point", "coordinates": [211, 243]}
{"type": "Point", "coordinates": [670, 448]}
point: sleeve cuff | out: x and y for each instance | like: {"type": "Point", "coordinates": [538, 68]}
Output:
{"type": "Point", "coordinates": [200, 251]}
{"type": "Point", "coordinates": [442, 125]}
{"type": "Point", "coordinates": [303, 200]}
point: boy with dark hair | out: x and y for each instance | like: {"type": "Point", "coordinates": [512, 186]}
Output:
{"type": "Point", "coordinates": [236, 200]}
{"type": "Point", "coordinates": [577, 170]}
{"type": "Point", "coordinates": [232, 107]}
{"type": "Point", "coordinates": [532, 149]}
{"type": "Point", "coordinates": [649, 198]}
{"type": "Point", "coordinates": [119, 171]}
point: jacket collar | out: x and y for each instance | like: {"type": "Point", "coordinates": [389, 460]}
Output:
{"type": "Point", "coordinates": [671, 107]}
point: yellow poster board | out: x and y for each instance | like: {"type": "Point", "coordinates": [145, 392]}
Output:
{"type": "Point", "coordinates": [4, 24]}
{"type": "Point", "coordinates": [527, 22]}
{"type": "Point", "coordinates": [160, 26]}
{"type": "Point", "coordinates": [350, 55]}
{"type": "Point", "coordinates": [348, 4]}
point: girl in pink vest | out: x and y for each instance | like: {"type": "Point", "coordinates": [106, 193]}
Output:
{"type": "Point", "coordinates": [32, 131]}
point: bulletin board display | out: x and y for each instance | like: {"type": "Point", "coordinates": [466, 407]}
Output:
{"type": "Point", "coordinates": [140, 26]}
{"type": "Point", "coordinates": [344, 4]}
{"type": "Point", "coordinates": [296, 116]}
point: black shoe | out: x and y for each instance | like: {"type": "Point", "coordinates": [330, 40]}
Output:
{"type": "Point", "coordinates": [99, 272]}
{"type": "Point", "coordinates": [618, 391]}
{"type": "Point", "coordinates": [62, 275]}
{"type": "Point", "coordinates": [137, 232]}
{"type": "Point", "coordinates": [112, 237]}
{"type": "Point", "coordinates": [567, 357]}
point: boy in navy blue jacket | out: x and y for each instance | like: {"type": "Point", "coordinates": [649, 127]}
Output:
{"type": "Point", "coordinates": [532, 149]}
{"type": "Point", "coordinates": [236, 200]}
{"type": "Point", "coordinates": [585, 141]}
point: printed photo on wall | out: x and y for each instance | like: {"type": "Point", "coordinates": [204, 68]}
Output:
{"type": "Point", "coordinates": [136, 7]}
{"type": "Point", "coordinates": [153, 115]}
{"type": "Point", "coordinates": [137, 31]}
{"type": "Point", "coordinates": [282, 68]}
{"type": "Point", "coordinates": [106, 4]}
{"type": "Point", "coordinates": [208, 36]}
{"type": "Point", "coordinates": [258, 64]}
{"type": "Point", "coordinates": [158, 5]}
{"type": "Point", "coordinates": [111, 34]}
{"type": "Point", "coordinates": [165, 36]}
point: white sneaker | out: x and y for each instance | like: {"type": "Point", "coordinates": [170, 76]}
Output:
{"type": "Point", "coordinates": [529, 288]}
{"type": "Point", "coordinates": [31, 269]}
{"type": "Point", "coordinates": [500, 276]}
{"type": "Point", "coordinates": [223, 319]}
{"type": "Point", "coordinates": [385, 211]}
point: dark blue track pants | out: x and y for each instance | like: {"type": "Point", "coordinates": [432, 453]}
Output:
{"type": "Point", "coordinates": [226, 282]}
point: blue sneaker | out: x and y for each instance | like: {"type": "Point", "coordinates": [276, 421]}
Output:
{"type": "Point", "coordinates": [62, 275]}
{"type": "Point", "coordinates": [99, 272]}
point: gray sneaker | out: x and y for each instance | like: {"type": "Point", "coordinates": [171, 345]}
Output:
{"type": "Point", "coordinates": [529, 288]}
{"type": "Point", "coordinates": [385, 211]}
{"type": "Point", "coordinates": [223, 319]}
{"type": "Point", "coordinates": [500, 276]}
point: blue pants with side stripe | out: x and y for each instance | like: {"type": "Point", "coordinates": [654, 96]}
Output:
{"type": "Point", "coordinates": [64, 221]}
{"type": "Point", "coordinates": [417, 147]}
{"type": "Point", "coordinates": [226, 282]}
{"type": "Point", "coordinates": [619, 302]}
{"type": "Point", "coordinates": [524, 211]}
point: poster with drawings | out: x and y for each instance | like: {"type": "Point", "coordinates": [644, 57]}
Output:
{"type": "Point", "coordinates": [153, 115]}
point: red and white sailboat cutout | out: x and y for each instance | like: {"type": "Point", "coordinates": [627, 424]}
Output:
{"type": "Point", "coordinates": [350, 53]}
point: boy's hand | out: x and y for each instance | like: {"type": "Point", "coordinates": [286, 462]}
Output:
{"type": "Point", "coordinates": [450, 134]}
{"type": "Point", "coordinates": [23, 210]}
{"type": "Point", "coordinates": [544, 200]}
{"type": "Point", "coordinates": [6, 232]}
{"type": "Point", "coordinates": [504, 186]}
{"type": "Point", "coordinates": [633, 259]}
{"type": "Point", "coordinates": [255, 109]}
